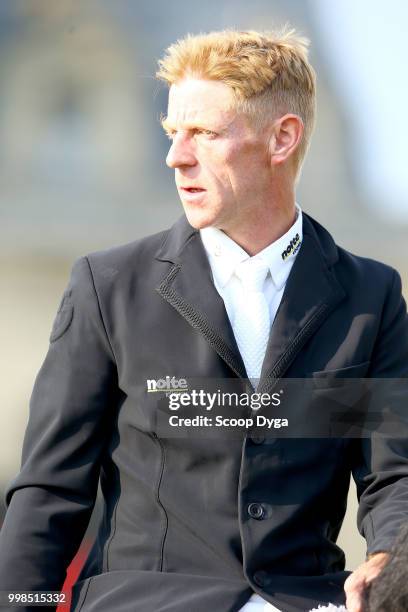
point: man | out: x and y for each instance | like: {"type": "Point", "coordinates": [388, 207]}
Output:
{"type": "Point", "coordinates": [245, 285]}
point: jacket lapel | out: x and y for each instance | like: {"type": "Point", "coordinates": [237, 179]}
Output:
{"type": "Point", "coordinates": [189, 288]}
{"type": "Point", "coordinates": [311, 293]}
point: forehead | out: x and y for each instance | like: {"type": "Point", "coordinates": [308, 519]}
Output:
{"type": "Point", "coordinates": [199, 99]}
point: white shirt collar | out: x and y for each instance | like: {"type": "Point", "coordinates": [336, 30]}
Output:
{"type": "Point", "coordinates": [225, 254]}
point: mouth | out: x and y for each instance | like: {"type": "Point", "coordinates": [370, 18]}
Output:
{"type": "Point", "coordinates": [191, 189]}
{"type": "Point", "coordinates": [192, 195]}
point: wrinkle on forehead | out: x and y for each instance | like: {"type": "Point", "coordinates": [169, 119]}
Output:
{"type": "Point", "coordinates": [196, 101]}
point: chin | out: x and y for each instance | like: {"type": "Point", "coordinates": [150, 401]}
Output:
{"type": "Point", "coordinates": [199, 219]}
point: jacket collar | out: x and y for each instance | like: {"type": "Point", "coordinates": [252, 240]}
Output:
{"type": "Point", "coordinates": [312, 291]}
{"type": "Point", "coordinates": [181, 232]}
{"type": "Point", "coordinates": [225, 255]}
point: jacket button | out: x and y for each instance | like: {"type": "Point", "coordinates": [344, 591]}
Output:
{"type": "Point", "coordinates": [261, 578]}
{"type": "Point", "coordinates": [256, 511]}
{"type": "Point", "coordinates": [258, 439]}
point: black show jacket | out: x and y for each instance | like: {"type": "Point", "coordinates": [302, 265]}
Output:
{"type": "Point", "coordinates": [177, 534]}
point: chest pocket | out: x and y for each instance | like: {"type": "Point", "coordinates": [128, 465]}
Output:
{"type": "Point", "coordinates": [340, 377]}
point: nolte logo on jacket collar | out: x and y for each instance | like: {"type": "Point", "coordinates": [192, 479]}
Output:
{"type": "Point", "coordinates": [166, 385]}
{"type": "Point", "coordinates": [292, 248]}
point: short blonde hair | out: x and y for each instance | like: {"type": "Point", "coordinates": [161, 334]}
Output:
{"type": "Point", "coordinates": [269, 72]}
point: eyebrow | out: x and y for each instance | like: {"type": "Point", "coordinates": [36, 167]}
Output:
{"type": "Point", "coordinates": [167, 127]}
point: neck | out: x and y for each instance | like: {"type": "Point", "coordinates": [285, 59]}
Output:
{"type": "Point", "coordinates": [264, 226]}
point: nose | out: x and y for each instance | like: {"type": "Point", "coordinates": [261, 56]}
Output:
{"type": "Point", "coordinates": [181, 152]}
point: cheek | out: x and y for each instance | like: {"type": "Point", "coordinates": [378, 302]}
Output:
{"type": "Point", "coordinates": [246, 163]}
{"type": "Point", "coordinates": [247, 154]}
{"type": "Point", "coordinates": [232, 166]}
{"type": "Point", "coordinates": [216, 165]}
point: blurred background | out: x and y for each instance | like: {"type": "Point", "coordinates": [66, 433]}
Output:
{"type": "Point", "coordinates": [82, 152]}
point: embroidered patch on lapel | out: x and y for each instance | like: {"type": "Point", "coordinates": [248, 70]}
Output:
{"type": "Point", "coordinates": [63, 318]}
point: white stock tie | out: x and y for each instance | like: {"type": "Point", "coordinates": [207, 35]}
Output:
{"type": "Point", "coordinates": [252, 321]}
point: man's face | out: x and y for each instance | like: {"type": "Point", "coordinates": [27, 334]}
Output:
{"type": "Point", "coordinates": [221, 163]}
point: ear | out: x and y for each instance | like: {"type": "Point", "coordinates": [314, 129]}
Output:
{"type": "Point", "coordinates": [287, 132]}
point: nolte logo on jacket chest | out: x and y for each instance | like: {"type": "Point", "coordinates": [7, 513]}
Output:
{"type": "Point", "coordinates": [169, 384]}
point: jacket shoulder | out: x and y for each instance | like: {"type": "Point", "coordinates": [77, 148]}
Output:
{"type": "Point", "coordinates": [353, 270]}
{"type": "Point", "coordinates": [116, 260]}
{"type": "Point", "coordinates": [365, 269]}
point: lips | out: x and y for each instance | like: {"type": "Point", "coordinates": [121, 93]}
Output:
{"type": "Point", "coordinates": [192, 195]}
{"type": "Point", "coordinates": [192, 189]}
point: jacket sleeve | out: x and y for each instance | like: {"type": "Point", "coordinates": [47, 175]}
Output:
{"type": "Point", "coordinates": [381, 463]}
{"type": "Point", "coordinates": [50, 502]}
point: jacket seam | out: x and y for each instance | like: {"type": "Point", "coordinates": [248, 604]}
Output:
{"type": "Point", "coordinates": [105, 563]}
{"type": "Point", "coordinates": [370, 516]}
{"type": "Point", "coordinates": [166, 518]}
{"type": "Point", "coordinates": [105, 557]}
{"type": "Point", "coordinates": [388, 296]}
{"type": "Point", "coordinates": [85, 595]}
{"type": "Point", "coordinates": [100, 310]}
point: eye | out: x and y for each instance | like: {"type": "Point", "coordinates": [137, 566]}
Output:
{"type": "Point", "coordinates": [170, 134]}
{"type": "Point", "coordinates": [207, 133]}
